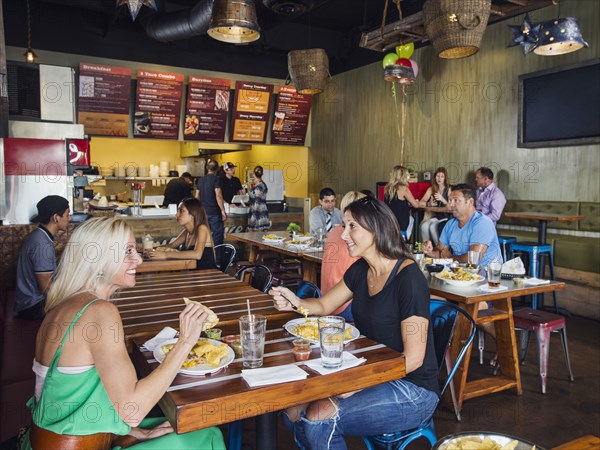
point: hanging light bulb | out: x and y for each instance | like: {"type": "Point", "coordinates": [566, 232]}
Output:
{"type": "Point", "coordinates": [29, 54]}
{"type": "Point", "coordinates": [234, 21]}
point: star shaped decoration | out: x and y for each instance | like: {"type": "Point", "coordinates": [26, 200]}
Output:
{"type": "Point", "coordinates": [136, 5]}
{"type": "Point", "coordinates": [526, 35]}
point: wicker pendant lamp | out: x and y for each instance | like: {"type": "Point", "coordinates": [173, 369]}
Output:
{"type": "Point", "coordinates": [308, 70]}
{"type": "Point", "coordinates": [455, 27]}
{"type": "Point", "coordinates": [234, 22]}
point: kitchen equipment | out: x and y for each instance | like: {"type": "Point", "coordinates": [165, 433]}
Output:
{"type": "Point", "coordinates": [131, 171]}
{"type": "Point", "coordinates": [173, 173]}
{"type": "Point", "coordinates": [181, 168]}
{"type": "Point", "coordinates": [120, 172]}
{"type": "Point", "coordinates": [143, 171]}
{"type": "Point", "coordinates": [163, 168]}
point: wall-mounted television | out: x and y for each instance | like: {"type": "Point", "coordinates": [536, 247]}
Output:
{"type": "Point", "coordinates": [560, 106]}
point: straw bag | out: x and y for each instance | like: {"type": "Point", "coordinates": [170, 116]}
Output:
{"type": "Point", "coordinates": [455, 27]}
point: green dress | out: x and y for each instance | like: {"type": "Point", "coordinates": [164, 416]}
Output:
{"type": "Point", "coordinates": [77, 404]}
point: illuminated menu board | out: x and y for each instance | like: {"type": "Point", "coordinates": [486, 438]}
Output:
{"type": "Point", "coordinates": [291, 117]}
{"type": "Point", "coordinates": [252, 104]}
{"type": "Point", "coordinates": [157, 105]}
{"type": "Point", "coordinates": [206, 109]}
{"type": "Point", "coordinates": [104, 93]}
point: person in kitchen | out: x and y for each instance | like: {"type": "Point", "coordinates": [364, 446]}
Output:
{"type": "Point", "coordinates": [178, 188]}
{"type": "Point", "coordinates": [209, 191]}
{"type": "Point", "coordinates": [194, 241]}
{"type": "Point", "coordinates": [326, 215]}
{"type": "Point", "coordinates": [37, 260]}
{"type": "Point", "coordinates": [230, 184]}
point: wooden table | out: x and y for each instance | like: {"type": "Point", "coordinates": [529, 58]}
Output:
{"type": "Point", "coordinates": [255, 240]}
{"type": "Point", "coordinates": [157, 299]}
{"type": "Point", "coordinates": [501, 315]}
{"type": "Point", "coordinates": [166, 265]}
{"type": "Point", "coordinates": [543, 219]}
{"type": "Point", "coordinates": [588, 442]}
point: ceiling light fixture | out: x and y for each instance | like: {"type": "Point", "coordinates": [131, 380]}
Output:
{"type": "Point", "coordinates": [29, 55]}
{"type": "Point", "coordinates": [308, 70]}
{"type": "Point", "coordinates": [234, 22]}
{"type": "Point", "coordinates": [559, 36]}
{"type": "Point", "coordinates": [136, 5]}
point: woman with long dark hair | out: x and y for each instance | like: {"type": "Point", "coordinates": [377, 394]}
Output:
{"type": "Point", "coordinates": [390, 301]}
{"type": "Point", "coordinates": [436, 195]}
{"type": "Point", "coordinates": [194, 241]}
{"type": "Point", "coordinates": [258, 219]}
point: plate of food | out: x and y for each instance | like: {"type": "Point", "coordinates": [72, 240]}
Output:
{"type": "Point", "coordinates": [472, 440]}
{"type": "Point", "coordinates": [302, 237]}
{"type": "Point", "coordinates": [207, 356]}
{"type": "Point", "coordinates": [459, 278]}
{"type": "Point", "coordinates": [272, 238]}
{"type": "Point", "coordinates": [307, 328]}
{"type": "Point", "coordinates": [103, 204]}
{"type": "Point", "coordinates": [297, 245]}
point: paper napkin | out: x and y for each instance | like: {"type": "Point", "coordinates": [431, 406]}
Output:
{"type": "Point", "coordinates": [486, 288]}
{"type": "Point", "coordinates": [536, 281]}
{"type": "Point", "coordinates": [164, 335]}
{"type": "Point", "coordinates": [348, 361]}
{"type": "Point", "coordinates": [514, 266]}
{"type": "Point", "coordinates": [444, 261]}
{"type": "Point", "coordinates": [273, 375]}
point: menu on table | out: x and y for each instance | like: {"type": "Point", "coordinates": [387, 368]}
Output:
{"type": "Point", "coordinates": [104, 93]}
{"type": "Point", "coordinates": [291, 117]}
{"type": "Point", "coordinates": [206, 109]}
{"type": "Point", "coordinates": [157, 105]}
{"type": "Point", "coordinates": [252, 105]}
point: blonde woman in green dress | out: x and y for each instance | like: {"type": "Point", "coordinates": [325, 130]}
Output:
{"type": "Point", "coordinates": [86, 386]}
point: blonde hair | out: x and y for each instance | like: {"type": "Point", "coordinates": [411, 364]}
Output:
{"type": "Point", "coordinates": [91, 259]}
{"type": "Point", "coordinates": [399, 176]}
{"type": "Point", "coordinates": [349, 197]}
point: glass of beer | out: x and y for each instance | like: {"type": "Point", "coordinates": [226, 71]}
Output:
{"type": "Point", "coordinates": [494, 270]}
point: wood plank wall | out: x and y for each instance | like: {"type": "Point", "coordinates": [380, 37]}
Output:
{"type": "Point", "coordinates": [461, 114]}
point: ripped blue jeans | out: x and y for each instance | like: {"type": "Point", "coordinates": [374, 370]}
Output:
{"type": "Point", "coordinates": [394, 406]}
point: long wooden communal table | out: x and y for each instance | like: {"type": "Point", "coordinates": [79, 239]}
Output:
{"type": "Point", "coordinates": [157, 299]}
{"type": "Point", "coordinates": [192, 403]}
{"type": "Point", "coordinates": [543, 219]}
{"type": "Point", "coordinates": [501, 315]}
{"type": "Point", "coordinates": [166, 265]}
{"type": "Point", "coordinates": [255, 240]}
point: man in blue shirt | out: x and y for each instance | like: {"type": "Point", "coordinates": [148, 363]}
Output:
{"type": "Point", "coordinates": [37, 260]}
{"type": "Point", "coordinates": [468, 230]}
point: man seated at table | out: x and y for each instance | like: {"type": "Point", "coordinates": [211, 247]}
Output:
{"type": "Point", "coordinates": [468, 230]}
{"type": "Point", "coordinates": [490, 199]}
{"type": "Point", "coordinates": [37, 260]}
{"type": "Point", "coordinates": [326, 215]}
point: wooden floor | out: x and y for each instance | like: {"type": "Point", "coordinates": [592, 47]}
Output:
{"type": "Point", "coordinates": [567, 411]}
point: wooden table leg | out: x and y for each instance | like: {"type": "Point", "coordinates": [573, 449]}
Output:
{"type": "Point", "coordinates": [253, 254]}
{"type": "Point", "coordinates": [309, 269]}
{"type": "Point", "coordinates": [506, 344]}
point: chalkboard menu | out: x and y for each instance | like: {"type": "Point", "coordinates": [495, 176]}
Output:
{"type": "Point", "coordinates": [104, 93]}
{"type": "Point", "coordinates": [206, 109]}
{"type": "Point", "coordinates": [157, 105]}
{"type": "Point", "coordinates": [252, 104]}
{"type": "Point", "coordinates": [291, 117]}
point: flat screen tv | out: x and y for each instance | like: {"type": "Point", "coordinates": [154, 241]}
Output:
{"type": "Point", "coordinates": [560, 106]}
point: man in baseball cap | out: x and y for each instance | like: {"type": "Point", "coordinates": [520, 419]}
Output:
{"type": "Point", "coordinates": [230, 184]}
{"type": "Point", "coordinates": [37, 260]}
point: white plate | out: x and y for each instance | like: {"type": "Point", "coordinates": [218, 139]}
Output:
{"type": "Point", "coordinates": [297, 247]}
{"type": "Point", "coordinates": [303, 238]}
{"type": "Point", "coordinates": [94, 204]}
{"type": "Point", "coordinates": [459, 283]}
{"type": "Point", "coordinates": [200, 369]}
{"type": "Point", "coordinates": [277, 240]}
{"type": "Point", "coordinates": [295, 322]}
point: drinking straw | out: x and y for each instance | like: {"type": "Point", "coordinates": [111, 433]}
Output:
{"type": "Point", "coordinates": [248, 305]}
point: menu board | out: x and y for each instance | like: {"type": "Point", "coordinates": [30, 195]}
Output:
{"type": "Point", "coordinates": [104, 93]}
{"type": "Point", "coordinates": [157, 105]}
{"type": "Point", "coordinates": [206, 109]}
{"type": "Point", "coordinates": [252, 105]}
{"type": "Point", "coordinates": [291, 117]}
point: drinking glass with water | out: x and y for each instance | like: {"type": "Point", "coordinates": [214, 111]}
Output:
{"type": "Point", "coordinates": [331, 339]}
{"type": "Point", "coordinates": [252, 336]}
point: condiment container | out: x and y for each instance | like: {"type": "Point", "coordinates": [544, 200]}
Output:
{"type": "Point", "coordinates": [233, 340]}
{"type": "Point", "coordinates": [301, 349]}
{"type": "Point", "coordinates": [518, 282]}
{"type": "Point", "coordinates": [213, 333]}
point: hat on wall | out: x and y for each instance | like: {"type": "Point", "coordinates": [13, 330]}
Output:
{"type": "Point", "coordinates": [228, 165]}
{"type": "Point", "coordinates": [48, 206]}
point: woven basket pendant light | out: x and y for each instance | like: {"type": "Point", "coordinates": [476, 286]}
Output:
{"type": "Point", "coordinates": [308, 70]}
{"type": "Point", "coordinates": [234, 22]}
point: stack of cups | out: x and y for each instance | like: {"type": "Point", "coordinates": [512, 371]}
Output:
{"type": "Point", "coordinates": [164, 168]}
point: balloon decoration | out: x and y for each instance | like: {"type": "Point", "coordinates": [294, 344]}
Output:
{"type": "Point", "coordinates": [389, 59]}
{"type": "Point", "coordinates": [415, 67]}
{"type": "Point", "coordinates": [405, 50]}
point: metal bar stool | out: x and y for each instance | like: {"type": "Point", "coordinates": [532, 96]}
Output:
{"type": "Point", "coordinates": [534, 252]}
{"type": "Point", "coordinates": [542, 323]}
{"type": "Point", "coordinates": [505, 243]}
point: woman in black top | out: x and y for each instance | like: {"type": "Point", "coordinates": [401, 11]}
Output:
{"type": "Point", "coordinates": [194, 241]}
{"type": "Point", "coordinates": [399, 198]}
{"type": "Point", "coordinates": [391, 306]}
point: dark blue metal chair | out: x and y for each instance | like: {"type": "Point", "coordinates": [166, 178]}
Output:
{"type": "Point", "coordinates": [224, 254]}
{"type": "Point", "coordinates": [535, 253]}
{"type": "Point", "coordinates": [261, 277]}
{"type": "Point", "coordinates": [443, 321]}
{"type": "Point", "coordinates": [306, 289]}
{"type": "Point", "coordinates": [505, 243]}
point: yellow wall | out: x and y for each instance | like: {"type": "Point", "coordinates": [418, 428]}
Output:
{"type": "Point", "coordinates": [112, 152]}
{"type": "Point", "coordinates": [292, 160]}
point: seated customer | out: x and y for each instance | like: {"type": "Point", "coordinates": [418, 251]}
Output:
{"type": "Point", "coordinates": [37, 260]}
{"type": "Point", "coordinates": [436, 195]}
{"type": "Point", "coordinates": [490, 199]}
{"type": "Point", "coordinates": [194, 241]}
{"type": "Point", "coordinates": [337, 259]}
{"type": "Point", "coordinates": [86, 385]}
{"type": "Point", "coordinates": [398, 197]}
{"type": "Point", "coordinates": [390, 300]}
{"type": "Point", "coordinates": [468, 230]}
{"type": "Point", "coordinates": [326, 215]}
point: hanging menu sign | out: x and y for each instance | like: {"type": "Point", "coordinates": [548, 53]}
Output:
{"type": "Point", "coordinates": [104, 93]}
{"type": "Point", "coordinates": [206, 109]}
{"type": "Point", "coordinates": [157, 105]}
{"type": "Point", "coordinates": [252, 104]}
{"type": "Point", "coordinates": [291, 117]}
